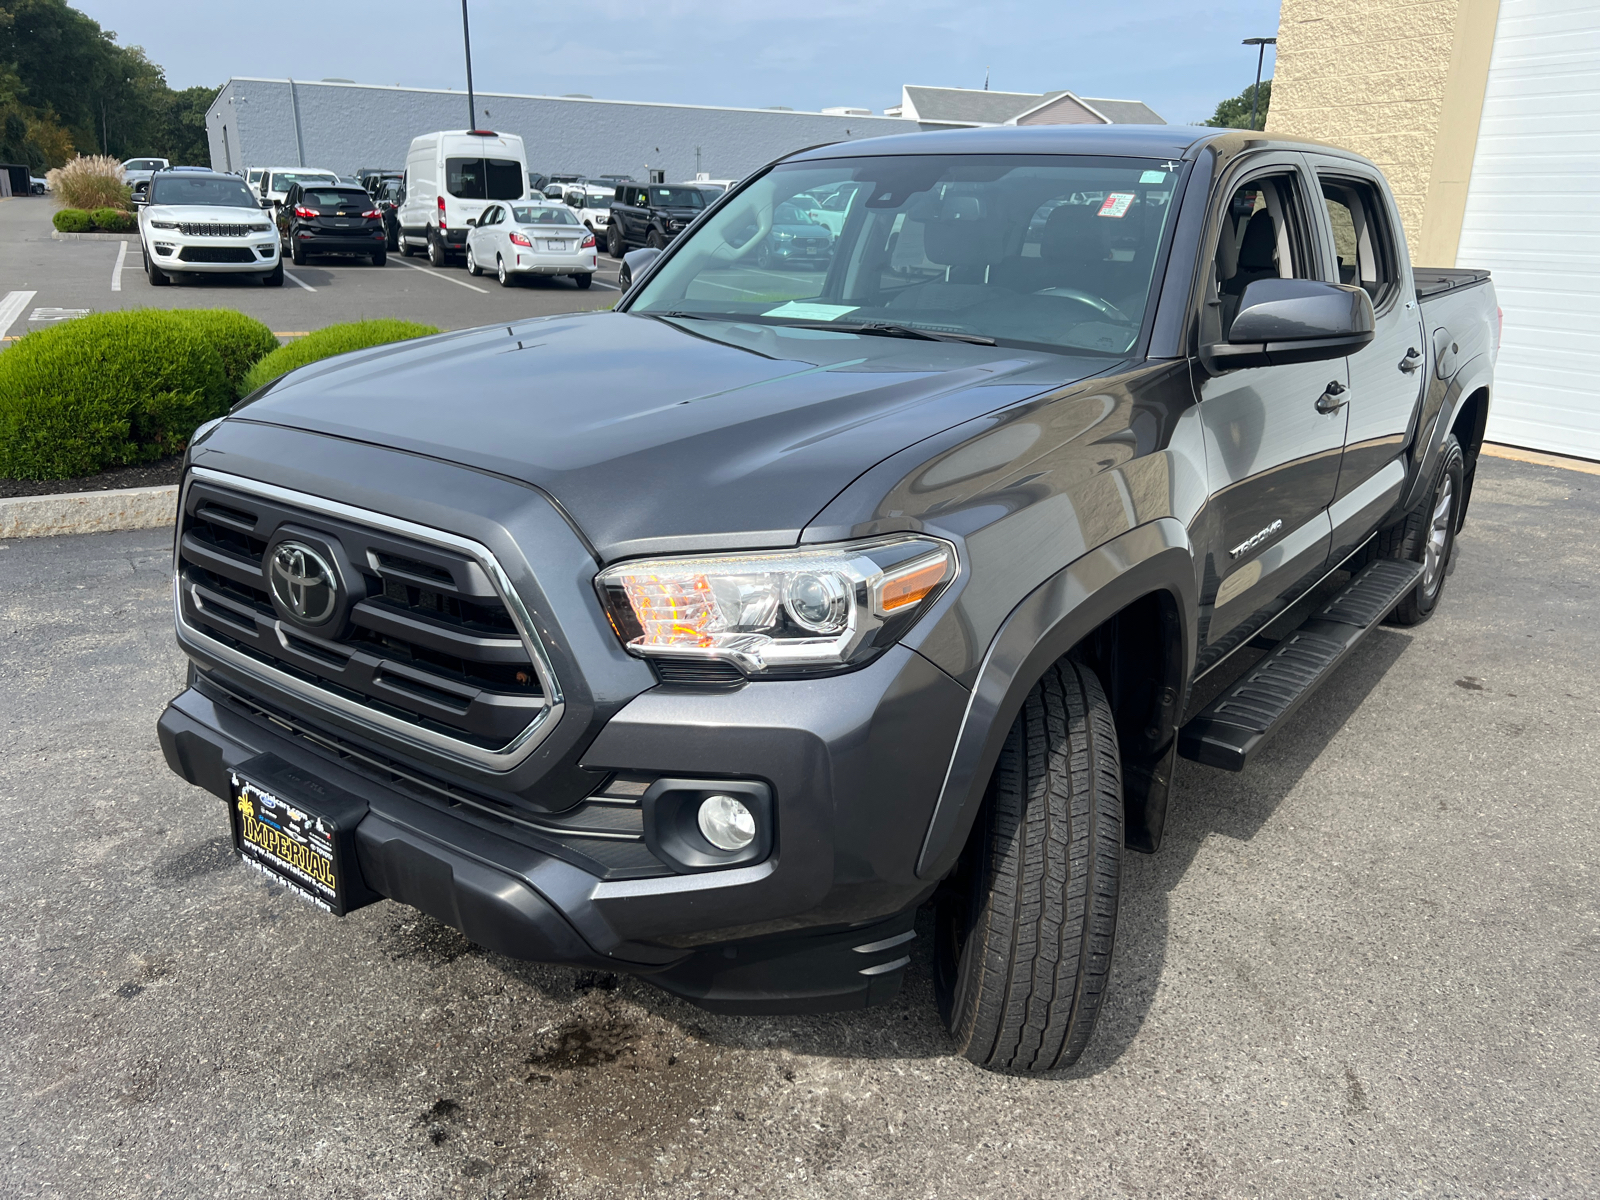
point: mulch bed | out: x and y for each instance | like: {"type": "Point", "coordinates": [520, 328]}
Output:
{"type": "Point", "coordinates": [155, 474]}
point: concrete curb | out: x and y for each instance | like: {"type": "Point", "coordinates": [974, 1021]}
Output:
{"type": "Point", "coordinates": [92, 237]}
{"type": "Point", "coordinates": [88, 512]}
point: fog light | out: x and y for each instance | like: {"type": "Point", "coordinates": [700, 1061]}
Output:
{"type": "Point", "coordinates": [727, 823]}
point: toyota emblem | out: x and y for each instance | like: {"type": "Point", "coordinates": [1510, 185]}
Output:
{"type": "Point", "coordinates": [303, 583]}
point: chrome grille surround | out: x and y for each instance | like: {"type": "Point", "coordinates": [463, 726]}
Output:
{"type": "Point", "coordinates": [503, 758]}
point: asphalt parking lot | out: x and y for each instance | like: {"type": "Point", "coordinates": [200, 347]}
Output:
{"type": "Point", "coordinates": [71, 277]}
{"type": "Point", "coordinates": [1366, 967]}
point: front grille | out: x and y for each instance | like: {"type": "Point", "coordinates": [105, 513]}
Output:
{"type": "Point", "coordinates": [206, 229]}
{"type": "Point", "coordinates": [217, 254]}
{"type": "Point", "coordinates": [429, 648]}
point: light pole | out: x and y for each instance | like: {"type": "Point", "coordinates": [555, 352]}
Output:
{"type": "Point", "coordinates": [466, 38]}
{"type": "Point", "coordinates": [1255, 96]}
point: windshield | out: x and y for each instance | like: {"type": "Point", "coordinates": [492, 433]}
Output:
{"type": "Point", "coordinates": [281, 180]}
{"type": "Point", "coordinates": [1047, 250]}
{"type": "Point", "coordinates": [484, 179]}
{"type": "Point", "coordinates": [228, 193]}
{"type": "Point", "coordinates": [537, 215]}
{"type": "Point", "coordinates": [677, 197]}
{"type": "Point", "coordinates": [335, 199]}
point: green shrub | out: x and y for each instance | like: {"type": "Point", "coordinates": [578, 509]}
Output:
{"type": "Point", "coordinates": [112, 220]}
{"type": "Point", "coordinates": [241, 341]}
{"type": "Point", "coordinates": [325, 343]}
{"type": "Point", "coordinates": [72, 220]}
{"type": "Point", "coordinates": [109, 389]}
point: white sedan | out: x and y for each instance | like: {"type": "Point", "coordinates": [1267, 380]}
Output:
{"type": "Point", "coordinates": [530, 239]}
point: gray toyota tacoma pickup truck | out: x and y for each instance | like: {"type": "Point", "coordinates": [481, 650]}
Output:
{"type": "Point", "coordinates": [895, 580]}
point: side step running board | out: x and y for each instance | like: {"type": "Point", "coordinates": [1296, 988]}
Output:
{"type": "Point", "coordinates": [1238, 723]}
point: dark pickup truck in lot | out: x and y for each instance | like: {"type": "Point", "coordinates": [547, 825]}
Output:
{"type": "Point", "coordinates": [845, 592]}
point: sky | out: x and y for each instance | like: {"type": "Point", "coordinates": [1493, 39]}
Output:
{"type": "Point", "coordinates": [1179, 56]}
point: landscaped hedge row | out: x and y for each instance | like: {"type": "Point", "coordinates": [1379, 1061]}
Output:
{"type": "Point", "coordinates": [110, 220]}
{"type": "Point", "coordinates": [122, 388]}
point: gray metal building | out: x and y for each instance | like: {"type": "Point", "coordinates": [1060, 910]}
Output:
{"type": "Point", "coordinates": [344, 126]}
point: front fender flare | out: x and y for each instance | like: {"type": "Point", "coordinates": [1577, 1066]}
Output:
{"type": "Point", "coordinates": [1049, 621]}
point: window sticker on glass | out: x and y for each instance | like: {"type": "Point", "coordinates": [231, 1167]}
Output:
{"type": "Point", "coordinates": [810, 312]}
{"type": "Point", "coordinates": [1116, 205]}
{"type": "Point", "coordinates": [1153, 177]}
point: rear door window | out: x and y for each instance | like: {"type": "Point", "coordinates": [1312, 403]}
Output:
{"type": "Point", "coordinates": [1362, 243]}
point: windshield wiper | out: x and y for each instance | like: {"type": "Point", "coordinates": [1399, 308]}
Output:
{"type": "Point", "coordinates": [889, 329]}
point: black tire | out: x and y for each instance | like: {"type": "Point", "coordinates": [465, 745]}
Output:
{"type": "Point", "coordinates": [394, 238]}
{"type": "Point", "coordinates": [157, 277]}
{"type": "Point", "coordinates": [402, 245]}
{"type": "Point", "coordinates": [297, 252]}
{"type": "Point", "coordinates": [505, 277]}
{"type": "Point", "coordinates": [380, 257]}
{"type": "Point", "coordinates": [274, 277]}
{"type": "Point", "coordinates": [473, 268]}
{"type": "Point", "coordinates": [655, 241]}
{"type": "Point", "coordinates": [616, 244]}
{"type": "Point", "coordinates": [583, 280]}
{"type": "Point", "coordinates": [437, 256]}
{"type": "Point", "coordinates": [1027, 924]}
{"type": "Point", "coordinates": [1427, 534]}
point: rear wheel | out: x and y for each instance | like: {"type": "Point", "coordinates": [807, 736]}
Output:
{"type": "Point", "coordinates": [436, 251]}
{"type": "Point", "coordinates": [472, 262]}
{"type": "Point", "coordinates": [1027, 924]}
{"type": "Point", "coordinates": [500, 272]}
{"type": "Point", "coordinates": [297, 251]}
{"type": "Point", "coordinates": [615, 245]}
{"type": "Point", "coordinates": [394, 238]}
{"type": "Point", "coordinates": [1427, 534]}
{"type": "Point", "coordinates": [379, 257]}
{"type": "Point", "coordinates": [402, 245]}
{"type": "Point", "coordinates": [583, 281]}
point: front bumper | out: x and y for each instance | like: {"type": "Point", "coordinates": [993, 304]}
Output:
{"type": "Point", "coordinates": [823, 922]}
{"type": "Point", "coordinates": [172, 251]}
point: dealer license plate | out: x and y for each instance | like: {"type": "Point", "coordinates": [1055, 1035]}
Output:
{"type": "Point", "coordinates": [289, 843]}
{"type": "Point", "coordinates": [553, 244]}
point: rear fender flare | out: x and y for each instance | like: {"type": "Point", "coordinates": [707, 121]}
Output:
{"type": "Point", "coordinates": [1052, 619]}
{"type": "Point", "coordinates": [1474, 376]}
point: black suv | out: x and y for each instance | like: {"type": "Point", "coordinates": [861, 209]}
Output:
{"type": "Point", "coordinates": [389, 195]}
{"type": "Point", "coordinates": [322, 219]}
{"type": "Point", "coordinates": [651, 215]}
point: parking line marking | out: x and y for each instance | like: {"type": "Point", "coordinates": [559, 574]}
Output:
{"type": "Point", "coordinates": [116, 271]}
{"type": "Point", "coordinates": [301, 282]}
{"type": "Point", "coordinates": [11, 308]}
{"type": "Point", "coordinates": [610, 287]}
{"type": "Point", "coordinates": [446, 278]}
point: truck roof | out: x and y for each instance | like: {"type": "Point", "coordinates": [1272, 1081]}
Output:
{"type": "Point", "coordinates": [1134, 141]}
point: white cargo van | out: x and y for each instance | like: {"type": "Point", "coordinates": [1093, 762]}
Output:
{"type": "Point", "coordinates": [451, 177]}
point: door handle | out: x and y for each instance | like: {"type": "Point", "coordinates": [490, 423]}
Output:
{"type": "Point", "coordinates": [1412, 361]}
{"type": "Point", "coordinates": [1329, 401]}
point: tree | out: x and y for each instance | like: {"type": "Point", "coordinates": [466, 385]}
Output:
{"type": "Point", "coordinates": [70, 77]}
{"type": "Point", "coordinates": [1235, 113]}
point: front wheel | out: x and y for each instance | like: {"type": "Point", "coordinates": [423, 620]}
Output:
{"type": "Point", "coordinates": [583, 281]}
{"type": "Point", "coordinates": [158, 277]}
{"type": "Point", "coordinates": [615, 245]}
{"type": "Point", "coordinates": [1026, 926]}
{"type": "Point", "coordinates": [274, 277]}
{"type": "Point", "coordinates": [655, 241]}
{"type": "Point", "coordinates": [1427, 534]}
{"type": "Point", "coordinates": [401, 244]}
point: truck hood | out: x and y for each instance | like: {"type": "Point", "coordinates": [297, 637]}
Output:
{"type": "Point", "coordinates": [656, 434]}
{"type": "Point", "coordinates": [208, 214]}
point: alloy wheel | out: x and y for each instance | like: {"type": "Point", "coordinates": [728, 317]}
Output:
{"type": "Point", "coordinates": [1438, 542]}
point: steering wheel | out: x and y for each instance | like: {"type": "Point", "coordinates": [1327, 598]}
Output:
{"type": "Point", "coordinates": [1099, 304]}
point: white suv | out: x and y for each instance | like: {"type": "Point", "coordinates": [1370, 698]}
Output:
{"type": "Point", "coordinates": [207, 224]}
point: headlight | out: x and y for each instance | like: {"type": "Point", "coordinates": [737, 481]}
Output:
{"type": "Point", "coordinates": [784, 612]}
{"type": "Point", "coordinates": [163, 224]}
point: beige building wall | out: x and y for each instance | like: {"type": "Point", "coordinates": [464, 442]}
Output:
{"type": "Point", "coordinates": [1400, 82]}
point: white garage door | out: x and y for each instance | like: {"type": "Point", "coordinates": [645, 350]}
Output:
{"type": "Point", "coordinates": [1533, 218]}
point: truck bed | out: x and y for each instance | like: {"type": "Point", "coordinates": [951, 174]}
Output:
{"type": "Point", "coordinates": [1435, 281]}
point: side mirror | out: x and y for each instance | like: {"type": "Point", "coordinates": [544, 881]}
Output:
{"type": "Point", "coordinates": [266, 204]}
{"type": "Point", "coordinates": [1294, 321]}
{"type": "Point", "coordinates": [472, 222]}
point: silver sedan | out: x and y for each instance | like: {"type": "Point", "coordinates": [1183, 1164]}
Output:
{"type": "Point", "coordinates": [516, 239]}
